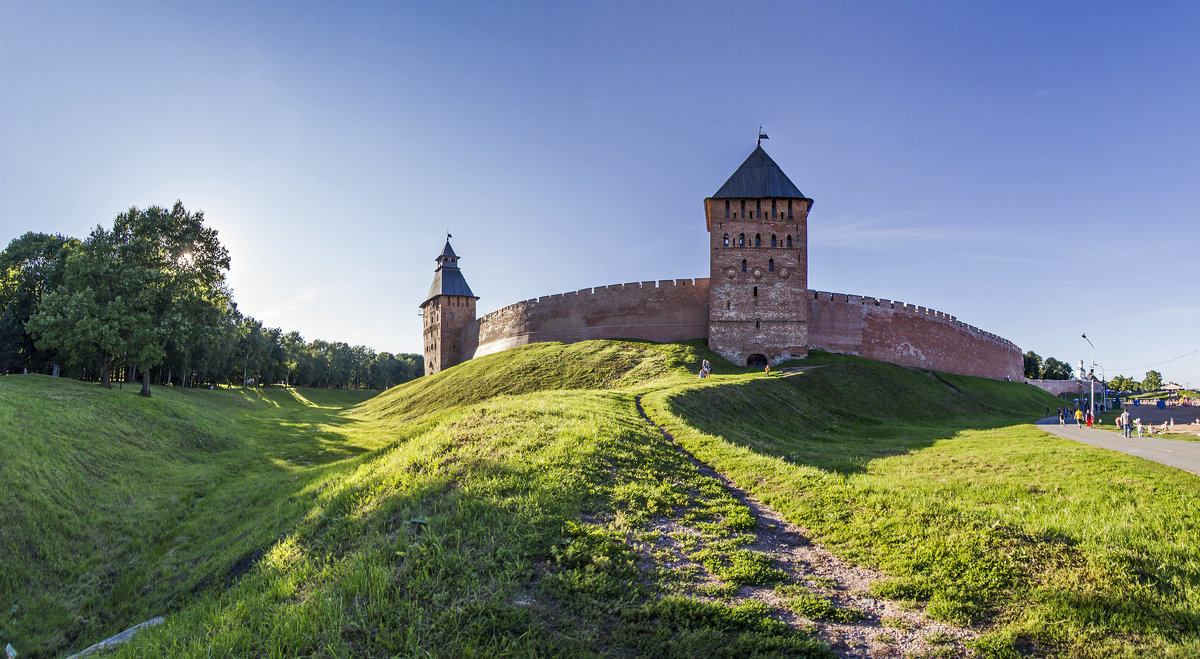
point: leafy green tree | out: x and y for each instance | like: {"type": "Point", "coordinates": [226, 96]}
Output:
{"type": "Point", "coordinates": [1054, 369]}
{"type": "Point", "coordinates": [155, 279]}
{"type": "Point", "coordinates": [30, 267]}
{"type": "Point", "coordinates": [92, 312]}
{"type": "Point", "coordinates": [1122, 383]}
{"type": "Point", "coordinates": [1033, 365]}
{"type": "Point", "coordinates": [1153, 381]}
{"type": "Point", "coordinates": [185, 295]}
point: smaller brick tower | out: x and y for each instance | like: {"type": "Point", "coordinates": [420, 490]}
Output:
{"type": "Point", "coordinates": [449, 307]}
{"type": "Point", "coordinates": [758, 267]}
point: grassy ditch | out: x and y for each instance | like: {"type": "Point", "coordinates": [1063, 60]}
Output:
{"type": "Point", "coordinates": [519, 505]}
{"type": "Point", "coordinates": [1053, 546]}
{"type": "Point", "coordinates": [290, 522]}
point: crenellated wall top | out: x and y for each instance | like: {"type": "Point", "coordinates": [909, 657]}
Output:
{"type": "Point", "coordinates": [910, 309]}
{"type": "Point", "coordinates": [582, 294]}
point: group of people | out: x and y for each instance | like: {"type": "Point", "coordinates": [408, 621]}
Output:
{"type": "Point", "coordinates": [1080, 416]}
{"type": "Point", "coordinates": [1126, 425]}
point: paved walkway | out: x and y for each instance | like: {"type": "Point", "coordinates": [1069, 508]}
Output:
{"type": "Point", "coordinates": [1176, 453]}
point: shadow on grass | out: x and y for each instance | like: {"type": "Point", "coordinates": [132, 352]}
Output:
{"type": "Point", "coordinates": [848, 413]}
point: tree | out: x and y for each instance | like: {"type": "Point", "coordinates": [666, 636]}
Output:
{"type": "Point", "coordinates": [1153, 381]}
{"type": "Point", "coordinates": [1053, 369]}
{"type": "Point", "coordinates": [30, 267]}
{"type": "Point", "coordinates": [156, 279]}
{"type": "Point", "coordinates": [1122, 383]}
{"type": "Point", "coordinates": [1033, 365]}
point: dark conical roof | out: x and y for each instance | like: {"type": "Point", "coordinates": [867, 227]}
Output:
{"type": "Point", "coordinates": [759, 178]}
{"type": "Point", "coordinates": [448, 279]}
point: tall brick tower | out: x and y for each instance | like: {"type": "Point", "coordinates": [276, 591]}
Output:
{"type": "Point", "coordinates": [449, 307]}
{"type": "Point", "coordinates": [758, 247]}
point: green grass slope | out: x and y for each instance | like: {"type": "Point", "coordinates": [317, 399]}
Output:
{"type": "Point", "coordinates": [517, 504]}
{"type": "Point", "coordinates": [1058, 548]}
{"type": "Point", "coordinates": [114, 506]}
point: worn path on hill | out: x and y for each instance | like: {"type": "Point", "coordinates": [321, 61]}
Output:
{"type": "Point", "coordinates": [886, 629]}
{"type": "Point", "coordinates": [1176, 453]}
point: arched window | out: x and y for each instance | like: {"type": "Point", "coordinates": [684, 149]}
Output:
{"type": "Point", "coordinates": [727, 240]}
{"type": "Point", "coordinates": [758, 240]}
{"type": "Point", "coordinates": [789, 240]}
{"type": "Point", "coordinates": [772, 239]}
{"type": "Point", "coordinates": [772, 209]}
{"type": "Point", "coordinates": [741, 240]}
{"type": "Point", "coordinates": [727, 209]}
{"type": "Point", "coordinates": [755, 291]}
{"type": "Point", "coordinates": [743, 265]}
{"type": "Point", "coordinates": [771, 265]}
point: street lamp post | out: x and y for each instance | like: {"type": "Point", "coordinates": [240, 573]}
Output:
{"type": "Point", "coordinates": [1091, 376]}
{"type": "Point", "coordinates": [1103, 389]}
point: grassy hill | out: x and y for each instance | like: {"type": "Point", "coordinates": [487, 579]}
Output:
{"type": "Point", "coordinates": [518, 504]}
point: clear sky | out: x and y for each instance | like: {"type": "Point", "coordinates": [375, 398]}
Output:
{"type": "Point", "coordinates": [1029, 167]}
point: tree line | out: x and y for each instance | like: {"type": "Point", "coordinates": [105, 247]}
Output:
{"type": "Point", "coordinates": [148, 297]}
{"type": "Point", "coordinates": [1053, 369]}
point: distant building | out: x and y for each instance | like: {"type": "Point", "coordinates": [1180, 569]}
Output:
{"type": "Point", "coordinates": [754, 308]}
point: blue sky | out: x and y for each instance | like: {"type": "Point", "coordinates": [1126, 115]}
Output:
{"type": "Point", "coordinates": [1028, 167]}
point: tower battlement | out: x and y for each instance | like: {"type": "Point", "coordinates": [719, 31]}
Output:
{"type": "Point", "coordinates": [755, 307]}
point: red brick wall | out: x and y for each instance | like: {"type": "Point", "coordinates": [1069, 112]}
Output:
{"type": "Point", "coordinates": [1059, 387]}
{"type": "Point", "coordinates": [669, 310]}
{"type": "Point", "coordinates": [908, 335]}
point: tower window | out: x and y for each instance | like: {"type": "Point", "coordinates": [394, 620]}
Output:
{"type": "Point", "coordinates": [789, 210]}
{"type": "Point", "coordinates": [743, 265]}
{"type": "Point", "coordinates": [771, 265]}
{"type": "Point", "coordinates": [758, 209]}
{"type": "Point", "coordinates": [727, 240]}
{"type": "Point", "coordinates": [727, 305]}
{"type": "Point", "coordinates": [741, 240]}
{"type": "Point", "coordinates": [772, 239]}
{"type": "Point", "coordinates": [755, 291]}
{"type": "Point", "coordinates": [727, 209]}
{"type": "Point", "coordinates": [743, 208]}
{"type": "Point", "coordinates": [758, 240]}
{"type": "Point", "coordinates": [755, 323]}
{"type": "Point", "coordinates": [789, 240]}
{"type": "Point", "coordinates": [772, 209]}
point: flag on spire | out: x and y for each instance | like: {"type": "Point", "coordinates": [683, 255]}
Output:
{"type": "Point", "coordinates": [761, 136]}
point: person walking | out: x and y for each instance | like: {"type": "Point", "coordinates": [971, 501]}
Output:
{"type": "Point", "coordinates": [1078, 418]}
{"type": "Point", "coordinates": [1124, 419]}
{"type": "Point", "coordinates": [1062, 417]}
{"type": "Point", "coordinates": [1089, 418]}
{"type": "Point", "coordinates": [1138, 423]}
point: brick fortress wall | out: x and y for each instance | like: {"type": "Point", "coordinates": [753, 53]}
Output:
{"type": "Point", "coordinates": [668, 310]}
{"type": "Point", "coordinates": [673, 310]}
{"type": "Point", "coordinates": [908, 335]}
{"type": "Point", "coordinates": [1060, 387]}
